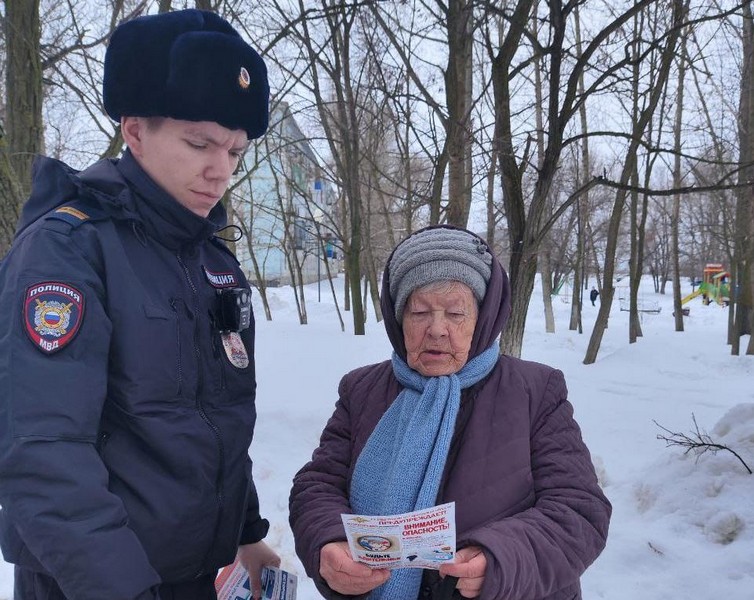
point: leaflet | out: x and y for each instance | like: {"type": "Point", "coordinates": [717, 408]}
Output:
{"type": "Point", "coordinates": [422, 539]}
{"type": "Point", "coordinates": [232, 583]}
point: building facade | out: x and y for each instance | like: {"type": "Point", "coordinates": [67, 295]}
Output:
{"type": "Point", "coordinates": [285, 208]}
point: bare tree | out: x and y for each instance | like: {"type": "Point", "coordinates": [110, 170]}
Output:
{"type": "Point", "coordinates": [677, 179]}
{"type": "Point", "coordinates": [582, 203]}
{"type": "Point", "coordinates": [455, 21]}
{"type": "Point", "coordinates": [742, 299]}
{"type": "Point", "coordinates": [330, 63]}
{"type": "Point", "coordinates": [527, 222]}
{"type": "Point", "coordinates": [653, 97]}
{"type": "Point", "coordinates": [459, 18]}
{"type": "Point", "coordinates": [659, 243]}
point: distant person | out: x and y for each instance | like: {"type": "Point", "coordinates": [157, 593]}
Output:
{"type": "Point", "coordinates": [593, 295]}
{"type": "Point", "coordinates": [127, 384]}
{"type": "Point", "coordinates": [450, 419]}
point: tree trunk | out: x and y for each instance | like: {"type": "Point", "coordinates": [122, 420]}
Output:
{"type": "Point", "coordinates": [546, 271]}
{"type": "Point", "coordinates": [740, 287]}
{"type": "Point", "coordinates": [115, 146]}
{"type": "Point", "coordinates": [227, 202]}
{"type": "Point", "coordinates": [512, 342]}
{"type": "Point", "coordinates": [546, 275]}
{"type": "Point", "coordinates": [23, 84]}
{"type": "Point", "coordinates": [634, 325]}
{"type": "Point", "coordinates": [458, 94]}
{"type": "Point", "coordinates": [583, 201]}
{"type": "Point", "coordinates": [294, 266]}
{"type": "Point", "coordinates": [374, 285]}
{"type": "Point", "coordinates": [283, 193]}
{"type": "Point", "coordinates": [353, 265]}
{"type": "Point", "coordinates": [346, 291]}
{"type": "Point", "coordinates": [521, 278]}
{"type": "Point", "coordinates": [634, 269]}
{"type": "Point", "coordinates": [575, 323]}
{"type": "Point", "coordinates": [258, 275]}
{"type": "Point", "coordinates": [639, 264]}
{"type": "Point", "coordinates": [491, 211]}
{"type": "Point", "coordinates": [330, 278]}
{"type": "Point", "coordinates": [11, 198]}
{"type": "Point", "coordinates": [675, 250]}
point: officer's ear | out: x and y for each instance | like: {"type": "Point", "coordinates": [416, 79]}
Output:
{"type": "Point", "coordinates": [132, 129]}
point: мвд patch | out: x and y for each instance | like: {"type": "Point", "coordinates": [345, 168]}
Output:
{"type": "Point", "coordinates": [52, 315]}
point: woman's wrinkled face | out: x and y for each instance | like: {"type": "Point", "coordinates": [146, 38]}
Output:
{"type": "Point", "coordinates": [438, 325]}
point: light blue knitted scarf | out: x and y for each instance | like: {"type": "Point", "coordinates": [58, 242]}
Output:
{"type": "Point", "coordinates": [400, 467]}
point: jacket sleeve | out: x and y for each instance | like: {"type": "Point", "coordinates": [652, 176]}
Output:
{"type": "Point", "coordinates": [546, 548]}
{"type": "Point", "coordinates": [254, 528]}
{"type": "Point", "coordinates": [54, 487]}
{"type": "Point", "coordinates": [320, 492]}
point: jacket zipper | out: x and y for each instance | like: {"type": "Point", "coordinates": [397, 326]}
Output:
{"type": "Point", "coordinates": [173, 305]}
{"type": "Point", "coordinates": [200, 409]}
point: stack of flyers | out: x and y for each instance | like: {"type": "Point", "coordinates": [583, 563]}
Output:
{"type": "Point", "coordinates": [232, 583]}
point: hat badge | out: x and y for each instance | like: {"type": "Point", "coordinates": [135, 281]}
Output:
{"type": "Point", "coordinates": [244, 79]}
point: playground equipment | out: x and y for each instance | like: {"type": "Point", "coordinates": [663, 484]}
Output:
{"type": "Point", "coordinates": [642, 305]}
{"type": "Point", "coordinates": [714, 287]}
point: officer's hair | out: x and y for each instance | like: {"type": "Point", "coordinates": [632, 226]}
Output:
{"type": "Point", "coordinates": [154, 123]}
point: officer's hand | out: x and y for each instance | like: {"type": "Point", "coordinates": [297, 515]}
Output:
{"type": "Point", "coordinates": [253, 557]}
{"type": "Point", "coordinates": [346, 576]}
{"type": "Point", "coordinates": [469, 567]}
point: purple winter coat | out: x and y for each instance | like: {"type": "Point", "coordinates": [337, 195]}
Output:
{"type": "Point", "coordinates": [521, 477]}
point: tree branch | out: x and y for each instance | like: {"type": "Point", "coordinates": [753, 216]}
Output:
{"type": "Point", "coordinates": [698, 442]}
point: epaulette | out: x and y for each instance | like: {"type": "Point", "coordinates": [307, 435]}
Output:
{"type": "Point", "coordinates": [77, 213]}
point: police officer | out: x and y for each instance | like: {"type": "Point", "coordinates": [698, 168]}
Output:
{"type": "Point", "coordinates": [127, 380]}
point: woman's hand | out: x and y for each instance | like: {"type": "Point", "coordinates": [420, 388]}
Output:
{"type": "Point", "coordinates": [469, 567]}
{"type": "Point", "coordinates": [346, 576]}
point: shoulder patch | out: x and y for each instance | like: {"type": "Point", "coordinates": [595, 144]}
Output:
{"type": "Point", "coordinates": [76, 213]}
{"type": "Point", "coordinates": [220, 280]}
{"type": "Point", "coordinates": [52, 314]}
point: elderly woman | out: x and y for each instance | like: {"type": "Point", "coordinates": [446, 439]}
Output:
{"type": "Point", "coordinates": [449, 419]}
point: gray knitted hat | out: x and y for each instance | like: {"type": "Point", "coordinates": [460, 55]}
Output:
{"type": "Point", "coordinates": [438, 254]}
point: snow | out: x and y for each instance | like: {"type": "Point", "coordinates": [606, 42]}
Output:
{"type": "Point", "coordinates": [683, 524]}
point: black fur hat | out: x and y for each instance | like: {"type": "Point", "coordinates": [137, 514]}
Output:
{"type": "Point", "coordinates": [190, 65]}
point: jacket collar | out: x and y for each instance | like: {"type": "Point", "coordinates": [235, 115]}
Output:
{"type": "Point", "coordinates": [163, 217]}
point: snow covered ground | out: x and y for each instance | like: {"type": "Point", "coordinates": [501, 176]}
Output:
{"type": "Point", "coordinates": [683, 525]}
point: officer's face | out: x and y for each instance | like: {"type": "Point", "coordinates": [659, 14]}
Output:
{"type": "Point", "coordinates": [192, 161]}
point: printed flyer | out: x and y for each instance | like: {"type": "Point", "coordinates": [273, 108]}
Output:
{"type": "Point", "coordinates": [232, 583]}
{"type": "Point", "coordinates": [422, 539]}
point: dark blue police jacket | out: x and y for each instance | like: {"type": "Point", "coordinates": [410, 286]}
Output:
{"type": "Point", "coordinates": [125, 415]}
